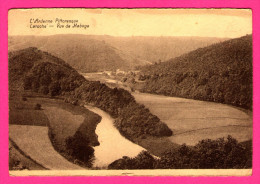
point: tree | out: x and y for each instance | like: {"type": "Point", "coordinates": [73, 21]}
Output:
{"type": "Point", "coordinates": [44, 90]}
{"type": "Point", "coordinates": [54, 89]}
{"type": "Point", "coordinates": [45, 80]}
{"type": "Point", "coordinates": [27, 82]}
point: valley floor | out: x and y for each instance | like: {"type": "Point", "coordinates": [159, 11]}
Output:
{"type": "Point", "coordinates": [190, 121]}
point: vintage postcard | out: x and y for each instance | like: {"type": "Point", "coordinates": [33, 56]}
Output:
{"type": "Point", "coordinates": [138, 92]}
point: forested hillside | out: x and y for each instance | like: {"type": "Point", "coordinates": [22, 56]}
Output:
{"type": "Point", "coordinates": [221, 73]}
{"type": "Point", "coordinates": [43, 73]}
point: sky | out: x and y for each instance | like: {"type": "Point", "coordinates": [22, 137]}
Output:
{"type": "Point", "coordinates": [229, 23]}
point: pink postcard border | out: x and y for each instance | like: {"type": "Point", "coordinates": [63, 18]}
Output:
{"type": "Point", "coordinates": [8, 4]}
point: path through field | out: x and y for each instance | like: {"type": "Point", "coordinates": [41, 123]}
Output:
{"type": "Point", "coordinates": [34, 142]}
{"type": "Point", "coordinates": [193, 120]}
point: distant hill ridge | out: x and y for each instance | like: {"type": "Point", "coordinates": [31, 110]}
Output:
{"type": "Point", "coordinates": [81, 52]}
{"type": "Point", "coordinates": [159, 48]}
{"type": "Point", "coordinates": [221, 73]}
{"type": "Point", "coordinates": [92, 53]}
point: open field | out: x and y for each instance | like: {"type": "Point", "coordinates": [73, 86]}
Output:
{"type": "Point", "coordinates": [193, 120]}
{"type": "Point", "coordinates": [240, 133]}
{"type": "Point", "coordinates": [22, 112]}
{"type": "Point", "coordinates": [65, 118]}
{"type": "Point", "coordinates": [36, 143]}
{"type": "Point", "coordinates": [63, 123]}
{"type": "Point", "coordinates": [61, 119]}
{"type": "Point", "coordinates": [19, 161]}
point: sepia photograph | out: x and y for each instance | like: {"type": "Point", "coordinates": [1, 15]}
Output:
{"type": "Point", "coordinates": [138, 92]}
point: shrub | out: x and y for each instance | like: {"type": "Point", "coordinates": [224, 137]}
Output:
{"type": "Point", "coordinates": [44, 90]}
{"type": "Point", "coordinates": [27, 82]}
{"type": "Point", "coordinates": [38, 107]}
{"type": "Point", "coordinates": [24, 99]}
{"type": "Point", "coordinates": [54, 89]}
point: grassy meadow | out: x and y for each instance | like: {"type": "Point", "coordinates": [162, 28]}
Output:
{"type": "Point", "coordinates": [61, 119]}
{"type": "Point", "coordinates": [18, 160]}
{"type": "Point", "coordinates": [193, 120]}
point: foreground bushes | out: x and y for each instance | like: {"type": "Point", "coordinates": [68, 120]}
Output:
{"type": "Point", "coordinates": [142, 161]}
{"type": "Point", "coordinates": [207, 154]}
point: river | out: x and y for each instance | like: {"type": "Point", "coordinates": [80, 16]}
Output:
{"type": "Point", "coordinates": [113, 145]}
